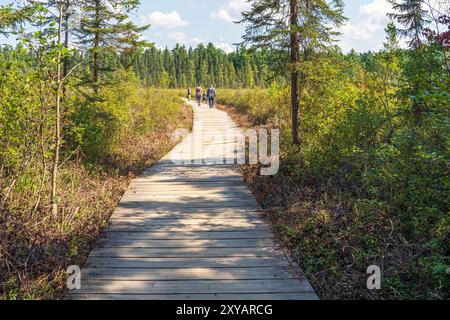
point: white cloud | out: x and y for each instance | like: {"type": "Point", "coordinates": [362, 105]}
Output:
{"type": "Point", "coordinates": [374, 14]}
{"type": "Point", "coordinates": [372, 20]}
{"type": "Point", "coordinates": [355, 32]}
{"type": "Point", "coordinates": [225, 46]}
{"type": "Point", "coordinates": [230, 11]}
{"type": "Point", "coordinates": [169, 20]}
{"type": "Point", "coordinates": [179, 37]}
{"type": "Point", "coordinates": [183, 38]}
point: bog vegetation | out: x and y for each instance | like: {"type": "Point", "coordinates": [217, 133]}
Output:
{"type": "Point", "coordinates": [364, 137]}
{"type": "Point", "coordinates": [366, 180]}
{"type": "Point", "coordinates": [75, 127]}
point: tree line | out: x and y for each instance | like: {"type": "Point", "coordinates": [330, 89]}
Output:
{"type": "Point", "coordinates": [203, 65]}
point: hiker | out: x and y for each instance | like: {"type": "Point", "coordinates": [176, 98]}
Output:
{"type": "Point", "coordinates": [211, 93]}
{"type": "Point", "coordinates": [189, 93]}
{"type": "Point", "coordinates": [198, 95]}
{"type": "Point", "coordinates": [205, 97]}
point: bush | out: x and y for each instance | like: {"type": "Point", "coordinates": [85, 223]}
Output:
{"type": "Point", "coordinates": [372, 181]}
{"type": "Point", "coordinates": [106, 142]}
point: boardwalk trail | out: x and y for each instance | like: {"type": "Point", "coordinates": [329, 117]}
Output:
{"type": "Point", "coordinates": [190, 232]}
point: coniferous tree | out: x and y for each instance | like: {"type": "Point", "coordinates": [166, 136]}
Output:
{"type": "Point", "coordinates": [203, 66]}
{"type": "Point", "coordinates": [411, 15]}
{"type": "Point", "coordinates": [287, 26]}
{"type": "Point", "coordinates": [105, 25]}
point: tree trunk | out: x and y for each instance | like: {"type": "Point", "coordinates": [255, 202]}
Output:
{"type": "Point", "coordinates": [295, 58]}
{"type": "Point", "coordinates": [97, 48]}
{"type": "Point", "coordinates": [66, 64]}
{"type": "Point", "coordinates": [66, 37]}
{"type": "Point", "coordinates": [58, 117]}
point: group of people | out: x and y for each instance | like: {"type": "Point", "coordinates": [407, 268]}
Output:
{"type": "Point", "coordinates": [208, 96]}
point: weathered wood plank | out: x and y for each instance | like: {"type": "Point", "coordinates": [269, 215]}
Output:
{"type": "Point", "coordinates": [198, 286]}
{"type": "Point", "coordinates": [185, 191]}
{"type": "Point", "coordinates": [189, 235]}
{"type": "Point", "coordinates": [199, 252]}
{"type": "Point", "coordinates": [130, 216]}
{"type": "Point", "coordinates": [186, 202]}
{"type": "Point", "coordinates": [184, 207]}
{"type": "Point", "coordinates": [188, 196]}
{"type": "Point", "coordinates": [212, 211]}
{"type": "Point", "coordinates": [171, 243]}
{"type": "Point", "coordinates": [192, 262]}
{"type": "Point", "coordinates": [237, 222]}
{"type": "Point", "coordinates": [186, 274]}
{"type": "Point", "coordinates": [215, 296]}
{"type": "Point", "coordinates": [188, 190]}
{"type": "Point", "coordinates": [186, 228]}
{"type": "Point", "coordinates": [185, 220]}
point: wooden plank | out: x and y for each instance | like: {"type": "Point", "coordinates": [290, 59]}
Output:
{"type": "Point", "coordinates": [190, 202]}
{"type": "Point", "coordinates": [253, 234]}
{"type": "Point", "coordinates": [190, 177]}
{"type": "Point", "coordinates": [207, 243]}
{"type": "Point", "coordinates": [186, 228]}
{"type": "Point", "coordinates": [199, 252]}
{"type": "Point", "coordinates": [130, 216]}
{"type": "Point", "coordinates": [216, 296]}
{"type": "Point", "coordinates": [174, 189]}
{"type": "Point", "coordinates": [183, 207]}
{"type": "Point", "coordinates": [188, 196]}
{"type": "Point", "coordinates": [198, 286]}
{"type": "Point", "coordinates": [237, 222]}
{"type": "Point", "coordinates": [186, 274]}
{"type": "Point", "coordinates": [186, 220]}
{"type": "Point", "coordinates": [212, 211]}
{"type": "Point", "coordinates": [192, 262]}
{"type": "Point", "coordinates": [190, 173]}
{"type": "Point", "coordinates": [225, 192]}
{"type": "Point", "coordinates": [204, 214]}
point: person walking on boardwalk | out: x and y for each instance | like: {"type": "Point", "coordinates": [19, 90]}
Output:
{"type": "Point", "coordinates": [189, 93]}
{"type": "Point", "coordinates": [211, 93]}
{"type": "Point", "coordinates": [198, 95]}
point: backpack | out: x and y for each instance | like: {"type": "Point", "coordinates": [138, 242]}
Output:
{"type": "Point", "coordinates": [211, 93]}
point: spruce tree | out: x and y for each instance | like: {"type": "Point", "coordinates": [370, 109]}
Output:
{"type": "Point", "coordinates": [287, 26]}
{"type": "Point", "coordinates": [105, 25]}
{"type": "Point", "coordinates": [411, 15]}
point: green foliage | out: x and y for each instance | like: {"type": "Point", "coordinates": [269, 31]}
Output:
{"type": "Point", "coordinates": [376, 133]}
{"type": "Point", "coordinates": [182, 67]}
{"type": "Point", "coordinates": [67, 150]}
{"type": "Point", "coordinates": [124, 110]}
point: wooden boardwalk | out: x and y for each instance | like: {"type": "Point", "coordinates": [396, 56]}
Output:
{"type": "Point", "coordinates": [191, 232]}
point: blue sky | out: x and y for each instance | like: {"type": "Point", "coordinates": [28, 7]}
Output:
{"type": "Point", "coordinates": [195, 21]}
{"type": "Point", "coordinates": [200, 21]}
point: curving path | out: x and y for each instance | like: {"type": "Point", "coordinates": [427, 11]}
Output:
{"type": "Point", "coordinates": [191, 232]}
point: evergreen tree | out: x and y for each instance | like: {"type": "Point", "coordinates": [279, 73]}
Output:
{"type": "Point", "coordinates": [203, 66]}
{"type": "Point", "coordinates": [105, 25]}
{"type": "Point", "coordinates": [287, 25]}
{"type": "Point", "coordinates": [411, 15]}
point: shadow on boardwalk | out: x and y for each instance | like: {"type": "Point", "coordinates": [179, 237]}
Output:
{"type": "Point", "coordinates": [190, 232]}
